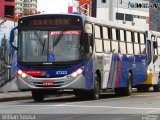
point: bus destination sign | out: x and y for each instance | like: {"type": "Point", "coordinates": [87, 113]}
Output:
{"type": "Point", "coordinates": [50, 21]}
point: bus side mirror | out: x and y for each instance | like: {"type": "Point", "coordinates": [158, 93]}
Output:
{"type": "Point", "coordinates": [89, 42]}
{"type": "Point", "coordinates": [12, 36]}
{"type": "Point", "coordinates": [155, 44]}
{"type": "Point", "coordinates": [87, 46]}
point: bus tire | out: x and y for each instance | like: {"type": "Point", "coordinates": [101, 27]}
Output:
{"type": "Point", "coordinates": [156, 88]}
{"type": "Point", "coordinates": [95, 93]}
{"type": "Point", "coordinates": [118, 91]}
{"type": "Point", "coordinates": [143, 88]}
{"type": "Point", "coordinates": [78, 93]}
{"type": "Point", "coordinates": [139, 89]}
{"type": "Point", "coordinates": [125, 91]}
{"type": "Point", "coordinates": [37, 96]}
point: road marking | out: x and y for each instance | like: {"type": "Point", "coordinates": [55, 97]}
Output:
{"type": "Point", "coordinates": [119, 118]}
{"type": "Point", "coordinates": [135, 95]}
{"type": "Point", "coordinates": [153, 111]}
{"type": "Point", "coordinates": [85, 106]}
{"type": "Point", "coordinates": [109, 107]}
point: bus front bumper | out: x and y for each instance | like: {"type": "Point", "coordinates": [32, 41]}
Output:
{"type": "Point", "coordinates": [52, 83]}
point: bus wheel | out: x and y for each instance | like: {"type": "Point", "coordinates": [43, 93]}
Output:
{"type": "Point", "coordinates": [156, 87]}
{"type": "Point", "coordinates": [139, 89]}
{"type": "Point", "coordinates": [126, 91]}
{"type": "Point", "coordinates": [37, 96]}
{"type": "Point", "coordinates": [95, 93]}
{"type": "Point", "coordinates": [143, 88]}
{"type": "Point", "coordinates": [118, 91]}
{"type": "Point", "coordinates": [78, 93]}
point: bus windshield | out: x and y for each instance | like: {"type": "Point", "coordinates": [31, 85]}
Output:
{"type": "Point", "coordinates": [50, 46]}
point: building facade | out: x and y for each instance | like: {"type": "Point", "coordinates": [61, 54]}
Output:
{"type": "Point", "coordinates": [155, 17]}
{"type": "Point", "coordinates": [124, 11]}
{"type": "Point", "coordinates": [7, 8]}
{"type": "Point", "coordinates": [26, 6]}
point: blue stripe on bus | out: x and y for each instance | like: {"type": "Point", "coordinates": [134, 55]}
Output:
{"type": "Point", "coordinates": [137, 66]}
{"type": "Point", "coordinates": [120, 66]}
{"type": "Point", "coordinates": [89, 74]}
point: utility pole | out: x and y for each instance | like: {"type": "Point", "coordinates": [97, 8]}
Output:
{"type": "Point", "coordinates": [110, 10]}
{"type": "Point", "coordinates": [94, 8]}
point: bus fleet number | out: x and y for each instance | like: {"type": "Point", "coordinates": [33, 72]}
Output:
{"type": "Point", "coordinates": [61, 72]}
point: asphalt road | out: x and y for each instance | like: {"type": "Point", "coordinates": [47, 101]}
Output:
{"type": "Point", "coordinates": [138, 106]}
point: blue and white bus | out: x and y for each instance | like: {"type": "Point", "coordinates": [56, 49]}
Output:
{"type": "Point", "coordinates": [71, 51]}
{"type": "Point", "coordinates": [153, 71]}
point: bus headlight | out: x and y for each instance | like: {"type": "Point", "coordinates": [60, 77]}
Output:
{"type": "Point", "coordinates": [22, 74]}
{"type": "Point", "coordinates": [77, 72]}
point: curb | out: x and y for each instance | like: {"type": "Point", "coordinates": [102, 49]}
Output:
{"type": "Point", "coordinates": [14, 98]}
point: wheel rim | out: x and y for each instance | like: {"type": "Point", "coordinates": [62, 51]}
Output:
{"type": "Point", "coordinates": [130, 87]}
{"type": "Point", "coordinates": [130, 83]}
{"type": "Point", "coordinates": [97, 90]}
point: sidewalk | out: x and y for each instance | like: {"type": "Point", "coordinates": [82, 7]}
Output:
{"type": "Point", "coordinates": [11, 96]}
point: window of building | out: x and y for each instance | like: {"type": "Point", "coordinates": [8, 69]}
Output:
{"type": "Point", "coordinates": [8, 11]}
{"type": "Point", "coordinates": [128, 17]}
{"type": "Point", "coordinates": [103, 1]}
{"type": "Point", "coordinates": [119, 16]}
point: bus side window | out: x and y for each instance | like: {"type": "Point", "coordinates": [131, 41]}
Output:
{"type": "Point", "coordinates": [142, 43]}
{"type": "Point", "coordinates": [98, 39]}
{"type": "Point", "coordinates": [158, 42]}
{"type": "Point", "coordinates": [129, 42]}
{"type": "Point", "coordinates": [89, 42]}
{"type": "Point", "coordinates": [122, 43]}
{"type": "Point", "coordinates": [89, 38]}
{"type": "Point", "coordinates": [154, 39]}
{"type": "Point", "coordinates": [136, 44]}
{"type": "Point", "coordinates": [114, 41]}
{"type": "Point", "coordinates": [107, 46]}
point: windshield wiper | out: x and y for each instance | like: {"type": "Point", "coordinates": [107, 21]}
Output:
{"type": "Point", "coordinates": [43, 46]}
{"type": "Point", "coordinates": [59, 37]}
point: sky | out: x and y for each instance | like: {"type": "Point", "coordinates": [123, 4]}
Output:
{"type": "Point", "coordinates": [53, 6]}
